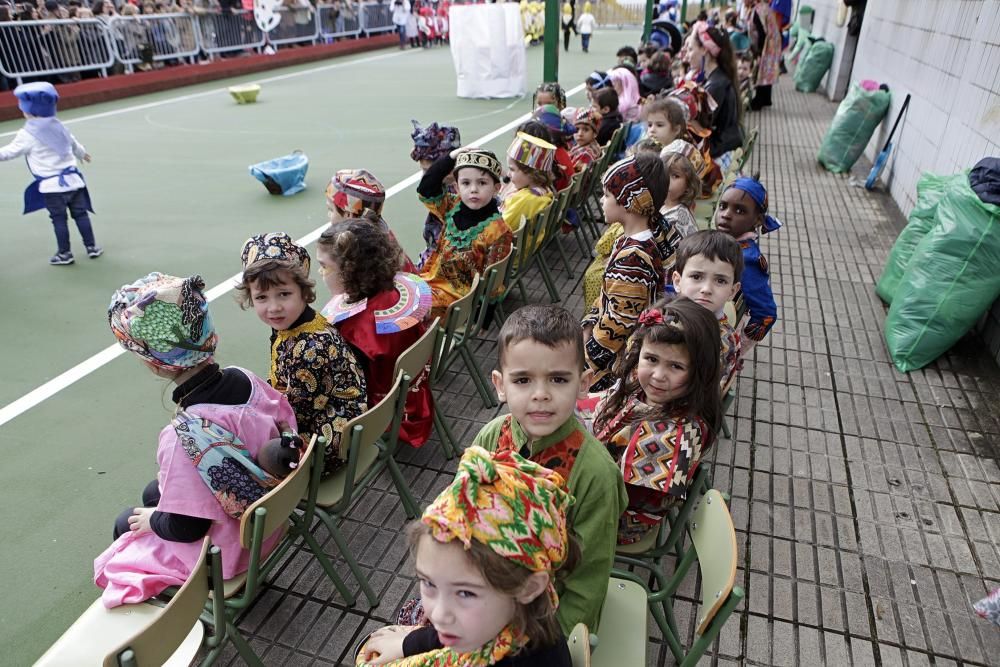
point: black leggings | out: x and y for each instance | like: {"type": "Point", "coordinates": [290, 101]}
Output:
{"type": "Point", "coordinates": [150, 498]}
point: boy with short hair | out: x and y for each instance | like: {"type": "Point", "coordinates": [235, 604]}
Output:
{"type": "Point", "coordinates": [541, 375]}
{"type": "Point", "coordinates": [707, 269]}
{"type": "Point", "coordinates": [474, 234]}
{"type": "Point", "coordinates": [606, 103]}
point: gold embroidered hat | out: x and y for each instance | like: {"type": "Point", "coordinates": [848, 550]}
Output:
{"type": "Point", "coordinates": [277, 246]}
{"type": "Point", "coordinates": [480, 159]}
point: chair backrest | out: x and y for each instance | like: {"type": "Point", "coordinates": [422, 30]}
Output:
{"type": "Point", "coordinates": [579, 645]}
{"type": "Point", "coordinates": [714, 540]}
{"type": "Point", "coordinates": [277, 504]}
{"type": "Point", "coordinates": [460, 310]}
{"type": "Point", "coordinates": [414, 358]}
{"type": "Point", "coordinates": [156, 642]}
{"type": "Point", "coordinates": [496, 273]}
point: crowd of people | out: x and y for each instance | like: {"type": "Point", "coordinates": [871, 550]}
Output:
{"type": "Point", "coordinates": [610, 411]}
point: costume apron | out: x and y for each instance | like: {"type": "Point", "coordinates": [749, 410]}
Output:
{"type": "Point", "coordinates": [34, 200]}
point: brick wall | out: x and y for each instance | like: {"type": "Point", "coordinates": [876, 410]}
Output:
{"type": "Point", "coordinates": [946, 54]}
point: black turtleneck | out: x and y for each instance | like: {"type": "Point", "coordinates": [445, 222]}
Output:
{"type": "Point", "coordinates": [432, 185]}
{"type": "Point", "coordinates": [308, 315]}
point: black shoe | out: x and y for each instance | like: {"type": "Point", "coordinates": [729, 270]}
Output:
{"type": "Point", "coordinates": [61, 259]}
{"type": "Point", "coordinates": [94, 251]}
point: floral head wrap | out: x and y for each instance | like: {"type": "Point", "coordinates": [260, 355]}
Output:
{"type": "Point", "coordinates": [626, 184]}
{"type": "Point", "coordinates": [588, 116]}
{"type": "Point", "coordinates": [757, 192]}
{"type": "Point", "coordinates": [277, 246]}
{"type": "Point", "coordinates": [354, 190]}
{"type": "Point", "coordinates": [512, 505]}
{"type": "Point", "coordinates": [164, 320]}
{"type": "Point", "coordinates": [434, 141]}
{"type": "Point", "coordinates": [688, 150]}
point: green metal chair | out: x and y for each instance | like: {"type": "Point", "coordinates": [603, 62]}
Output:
{"type": "Point", "coordinates": [412, 362]}
{"type": "Point", "coordinates": [368, 454]}
{"type": "Point", "coordinates": [460, 326]}
{"type": "Point", "coordinates": [553, 231]}
{"type": "Point", "coordinates": [579, 645]}
{"type": "Point", "coordinates": [511, 276]}
{"type": "Point", "coordinates": [147, 633]}
{"type": "Point", "coordinates": [713, 547]}
{"type": "Point", "coordinates": [621, 634]}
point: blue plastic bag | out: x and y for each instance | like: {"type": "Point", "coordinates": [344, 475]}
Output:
{"type": "Point", "coordinates": [284, 175]}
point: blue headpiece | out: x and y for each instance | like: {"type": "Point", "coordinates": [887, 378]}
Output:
{"type": "Point", "coordinates": [37, 99]}
{"type": "Point", "coordinates": [598, 80]}
{"type": "Point", "coordinates": [752, 187]}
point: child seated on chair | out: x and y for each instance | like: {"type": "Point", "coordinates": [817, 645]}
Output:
{"type": "Point", "coordinates": [429, 144]}
{"type": "Point", "coordinates": [662, 412]}
{"type": "Point", "coordinates": [490, 600]}
{"type": "Point", "coordinates": [529, 192]}
{"type": "Point", "coordinates": [684, 163]}
{"type": "Point", "coordinates": [541, 375]}
{"type": "Point", "coordinates": [707, 270]}
{"type": "Point", "coordinates": [379, 311]}
{"type": "Point", "coordinates": [310, 362]}
{"type": "Point", "coordinates": [741, 212]}
{"type": "Point", "coordinates": [606, 104]}
{"type": "Point", "coordinates": [474, 233]}
{"type": "Point", "coordinates": [560, 133]}
{"type": "Point", "coordinates": [549, 92]}
{"type": "Point", "coordinates": [634, 191]}
{"type": "Point", "coordinates": [585, 147]}
{"type": "Point", "coordinates": [357, 194]}
{"type": "Point", "coordinates": [664, 120]}
{"type": "Point", "coordinates": [211, 454]}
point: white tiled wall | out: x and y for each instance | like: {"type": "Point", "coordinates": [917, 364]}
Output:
{"type": "Point", "coordinates": [946, 54]}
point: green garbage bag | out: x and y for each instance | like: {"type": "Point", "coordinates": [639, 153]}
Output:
{"type": "Point", "coordinates": [852, 127]}
{"type": "Point", "coordinates": [813, 65]}
{"type": "Point", "coordinates": [952, 278]}
{"type": "Point", "coordinates": [930, 189]}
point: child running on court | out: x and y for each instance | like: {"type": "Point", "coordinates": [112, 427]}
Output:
{"type": "Point", "coordinates": [663, 411]}
{"type": "Point", "coordinates": [379, 311]}
{"type": "Point", "coordinates": [429, 144]}
{"type": "Point", "coordinates": [310, 362]}
{"type": "Point", "coordinates": [490, 599]}
{"type": "Point", "coordinates": [634, 191]}
{"type": "Point", "coordinates": [742, 211]}
{"type": "Point", "coordinates": [541, 375]}
{"type": "Point", "coordinates": [51, 152]}
{"type": "Point", "coordinates": [707, 270]}
{"type": "Point", "coordinates": [224, 419]}
{"type": "Point", "coordinates": [474, 234]}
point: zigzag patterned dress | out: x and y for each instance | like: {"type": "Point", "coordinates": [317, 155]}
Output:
{"type": "Point", "coordinates": [658, 459]}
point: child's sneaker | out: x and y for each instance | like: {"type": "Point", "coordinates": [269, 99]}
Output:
{"type": "Point", "coordinates": [61, 259]}
{"type": "Point", "coordinates": [94, 251]}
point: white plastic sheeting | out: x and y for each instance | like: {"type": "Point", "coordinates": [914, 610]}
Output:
{"type": "Point", "coordinates": [487, 45]}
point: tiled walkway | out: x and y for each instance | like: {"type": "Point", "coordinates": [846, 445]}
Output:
{"type": "Point", "coordinates": [866, 502]}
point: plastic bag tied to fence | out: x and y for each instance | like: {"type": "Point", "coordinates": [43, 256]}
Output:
{"type": "Point", "coordinates": [951, 279]}
{"type": "Point", "coordinates": [852, 127]}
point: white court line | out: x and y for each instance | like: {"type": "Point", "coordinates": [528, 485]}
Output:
{"type": "Point", "coordinates": [214, 91]}
{"type": "Point", "coordinates": [110, 353]}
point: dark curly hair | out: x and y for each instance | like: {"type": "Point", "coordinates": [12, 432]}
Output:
{"type": "Point", "coordinates": [688, 324]}
{"type": "Point", "coordinates": [366, 256]}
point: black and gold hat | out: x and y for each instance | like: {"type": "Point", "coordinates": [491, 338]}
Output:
{"type": "Point", "coordinates": [481, 159]}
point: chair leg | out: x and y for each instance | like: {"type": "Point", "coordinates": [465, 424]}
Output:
{"type": "Point", "coordinates": [324, 562]}
{"type": "Point", "coordinates": [668, 632]}
{"type": "Point", "coordinates": [562, 255]}
{"type": "Point", "coordinates": [410, 506]}
{"type": "Point", "coordinates": [547, 279]}
{"type": "Point", "coordinates": [725, 428]}
{"type": "Point", "coordinates": [345, 552]}
{"type": "Point", "coordinates": [477, 377]}
{"type": "Point", "coordinates": [242, 647]}
{"type": "Point", "coordinates": [445, 436]}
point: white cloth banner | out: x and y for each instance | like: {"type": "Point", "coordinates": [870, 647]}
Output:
{"type": "Point", "coordinates": [487, 45]}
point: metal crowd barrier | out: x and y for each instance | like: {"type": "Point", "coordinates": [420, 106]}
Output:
{"type": "Point", "coordinates": [292, 29]}
{"type": "Point", "coordinates": [339, 21]}
{"type": "Point", "coordinates": [41, 48]}
{"type": "Point", "coordinates": [166, 36]}
{"type": "Point", "coordinates": [376, 17]}
{"type": "Point", "coordinates": [229, 31]}
{"type": "Point", "coordinates": [619, 13]}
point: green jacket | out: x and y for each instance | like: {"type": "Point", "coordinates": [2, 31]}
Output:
{"type": "Point", "coordinates": [596, 483]}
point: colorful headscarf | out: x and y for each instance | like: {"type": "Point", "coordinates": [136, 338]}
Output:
{"type": "Point", "coordinates": [434, 141]}
{"type": "Point", "coordinates": [277, 246]}
{"type": "Point", "coordinates": [706, 40]}
{"type": "Point", "coordinates": [628, 95]}
{"type": "Point", "coordinates": [588, 116]}
{"type": "Point", "coordinates": [512, 505]}
{"type": "Point", "coordinates": [38, 98]}
{"type": "Point", "coordinates": [757, 192]}
{"type": "Point", "coordinates": [549, 116]}
{"type": "Point", "coordinates": [626, 184]}
{"type": "Point", "coordinates": [492, 652]}
{"type": "Point", "coordinates": [354, 190]}
{"type": "Point", "coordinates": [532, 152]}
{"type": "Point", "coordinates": [480, 159]}
{"type": "Point", "coordinates": [164, 320]}
{"type": "Point", "coordinates": [688, 150]}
